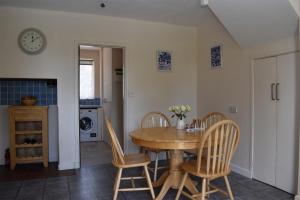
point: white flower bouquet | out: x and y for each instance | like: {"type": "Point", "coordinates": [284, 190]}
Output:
{"type": "Point", "coordinates": [180, 111]}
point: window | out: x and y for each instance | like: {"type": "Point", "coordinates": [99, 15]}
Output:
{"type": "Point", "coordinates": [87, 79]}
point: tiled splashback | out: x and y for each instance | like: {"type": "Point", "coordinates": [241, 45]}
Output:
{"type": "Point", "coordinates": [12, 90]}
{"type": "Point", "coordinates": [91, 102]}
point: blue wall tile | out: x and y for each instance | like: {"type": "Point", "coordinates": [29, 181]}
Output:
{"type": "Point", "coordinates": [12, 90]}
{"type": "Point", "coordinates": [3, 102]}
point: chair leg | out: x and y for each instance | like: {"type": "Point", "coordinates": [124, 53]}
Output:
{"type": "Point", "coordinates": [181, 186]}
{"type": "Point", "coordinates": [203, 189]}
{"type": "Point", "coordinates": [142, 150]}
{"type": "Point", "coordinates": [207, 187]}
{"type": "Point", "coordinates": [167, 155]}
{"type": "Point", "coordinates": [117, 183]}
{"type": "Point", "coordinates": [228, 188]}
{"type": "Point", "coordinates": [155, 168]}
{"type": "Point", "coordinates": [149, 182]}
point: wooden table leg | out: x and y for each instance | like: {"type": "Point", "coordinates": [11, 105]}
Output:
{"type": "Point", "coordinates": [173, 177]}
{"type": "Point", "coordinates": [190, 185]}
{"type": "Point", "coordinates": [161, 179]}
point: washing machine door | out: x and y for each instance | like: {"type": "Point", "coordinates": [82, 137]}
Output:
{"type": "Point", "coordinates": [86, 124]}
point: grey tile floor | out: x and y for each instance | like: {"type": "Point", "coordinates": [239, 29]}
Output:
{"type": "Point", "coordinates": [96, 183]}
{"type": "Point", "coordinates": [94, 153]}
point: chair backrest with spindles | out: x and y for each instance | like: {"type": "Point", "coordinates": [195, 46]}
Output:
{"type": "Point", "coordinates": [212, 118]}
{"type": "Point", "coordinates": [217, 148]}
{"type": "Point", "coordinates": [118, 155]}
{"type": "Point", "coordinates": [209, 120]}
{"type": "Point", "coordinates": [155, 119]}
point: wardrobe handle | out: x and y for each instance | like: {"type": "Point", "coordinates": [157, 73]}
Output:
{"type": "Point", "coordinates": [272, 92]}
{"type": "Point", "coordinates": [277, 98]}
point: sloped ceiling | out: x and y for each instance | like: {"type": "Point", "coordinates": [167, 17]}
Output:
{"type": "Point", "coordinates": [254, 22]}
{"type": "Point", "coordinates": [180, 12]}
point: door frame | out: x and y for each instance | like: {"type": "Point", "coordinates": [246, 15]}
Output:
{"type": "Point", "coordinates": [77, 44]}
{"type": "Point", "coordinates": [252, 104]}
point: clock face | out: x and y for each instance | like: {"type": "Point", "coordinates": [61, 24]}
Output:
{"type": "Point", "coordinates": [32, 41]}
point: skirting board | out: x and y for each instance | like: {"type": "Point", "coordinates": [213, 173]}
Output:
{"type": "Point", "coordinates": [68, 165]}
{"type": "Point", "coordinates": [297, 197]}
{"type": "Point", "coordinates": [2, 162]}
{"type": "Point", "coordinates": [234, 168]}
{"type": "Point", "coordinates": [241, 171]}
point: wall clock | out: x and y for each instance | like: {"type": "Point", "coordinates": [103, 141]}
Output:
{"type": "Point", "coordinates": [32, 41]}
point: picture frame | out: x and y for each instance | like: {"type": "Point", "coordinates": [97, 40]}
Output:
{"type": "Point", "coordinates": [216, 56]}
{"type": "Point", "coordinates": [164, 60]}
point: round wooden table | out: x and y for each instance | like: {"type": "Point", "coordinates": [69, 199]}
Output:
{"type": "Point", "coordinates": [174, 140]}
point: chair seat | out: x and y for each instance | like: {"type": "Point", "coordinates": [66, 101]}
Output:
{"type": "Point", "coordinates": [191, 168]}
{"type": "Point", "coordinates": [134, 160]}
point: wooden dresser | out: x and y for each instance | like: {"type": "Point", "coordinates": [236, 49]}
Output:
{"type": "Point", "coordinates": [28, 135]}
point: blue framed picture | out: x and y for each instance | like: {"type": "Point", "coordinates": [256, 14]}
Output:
{"type": "Point", "coordinates": [216, 57]}
{"type": "Point", "coordinates": [164, 60]}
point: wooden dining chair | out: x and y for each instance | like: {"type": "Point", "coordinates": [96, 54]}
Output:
{"type": "Point", "coordinates": [122, 161]}
{"type": "Point", "coordinates": [215, 152]}
{"type": "Point", "coordinates": [211, 118]}
{"type": "Point", "coordinates": [152, 120]}
{"type": "Point", "coordinates": [208, 120]}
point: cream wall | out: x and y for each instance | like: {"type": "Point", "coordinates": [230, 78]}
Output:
{"type": "Point", "coordinates": [218, 89]}
{"type": "Point", "coordinates": [149, 89]}
{"type": "Point", "coordinates": [231, 85]}
{"type": "Point", "coordinates": [298, 188]}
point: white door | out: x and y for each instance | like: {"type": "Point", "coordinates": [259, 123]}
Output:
{"type": "Point", "coordinates": [287, 140]}
{"type": "Point", "coordinates": [264, 120]}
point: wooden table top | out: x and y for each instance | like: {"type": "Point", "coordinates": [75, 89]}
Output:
{"type": "Point", "coordinates": [166, 138]}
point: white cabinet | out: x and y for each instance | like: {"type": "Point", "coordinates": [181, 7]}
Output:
{"type": "Point", "coordinates": [275, 120]}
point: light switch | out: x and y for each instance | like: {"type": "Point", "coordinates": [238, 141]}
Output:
{"type": "Point", "coordinates": [233, 109]}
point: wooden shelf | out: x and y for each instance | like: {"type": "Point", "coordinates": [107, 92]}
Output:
{"type": "Point", "coordinates": [29, 145]}
{"type": "Point", "coordinates": [28, 121]}
{"type": "Point", "coordinates": [29, 159]}
{"type": "Point", "coordinates": [34, 132]}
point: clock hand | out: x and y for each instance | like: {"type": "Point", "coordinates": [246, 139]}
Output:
{"type": "Point", "coordinates": [32, 40]}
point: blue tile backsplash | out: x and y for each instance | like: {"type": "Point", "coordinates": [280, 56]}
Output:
{"type": "Point", "coordinates": [12, 90]}
{"type": "Point", "coordinates": [90, 102]}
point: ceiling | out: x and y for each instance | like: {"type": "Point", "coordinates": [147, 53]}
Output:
{"type": "Point", "coordinates": [250, 22]}
{"type": "Point", "coordinates": [180, 12]}
{"type": "Point", "coordinates": [254, 22]}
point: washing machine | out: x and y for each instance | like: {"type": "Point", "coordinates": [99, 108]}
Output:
{"type": "Point", "coordinates": [89, 125]}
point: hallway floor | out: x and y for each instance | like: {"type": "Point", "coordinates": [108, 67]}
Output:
{"type": "Point", "coordinates": [96, 183]}
{"type": "Point", "coordinates": [95, 153]}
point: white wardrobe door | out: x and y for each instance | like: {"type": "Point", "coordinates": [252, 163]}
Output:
{"type": "Point", "coordinates": [264, 121]}
{"type": "Point", "coordinates": [287, 140]}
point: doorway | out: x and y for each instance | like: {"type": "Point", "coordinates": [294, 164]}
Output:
{"type": "Point", "coordinates": [101, 83]}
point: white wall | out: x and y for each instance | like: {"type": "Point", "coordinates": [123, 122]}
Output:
{"type": "Point", "coordinates": [298, 188]}
{"type": "Point", "coordinates": [107, 89]}
{"type": "Point", "coordinates": [151, 90]}
{"type": "Point", "coordinates": [231, 85]}
{"type": "Point", "coordinates": [218, 89]}
{"type": "Point", "coordinates": [296, 5]}
{"type": "Point", "coordinates": [107, 73]}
